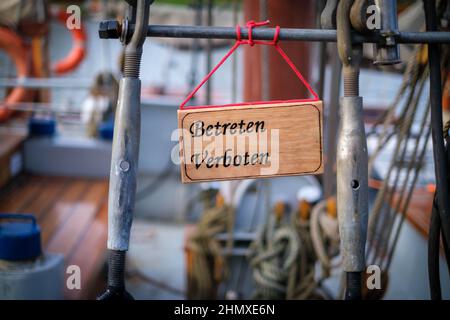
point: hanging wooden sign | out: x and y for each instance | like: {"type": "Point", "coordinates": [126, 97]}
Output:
{"type": "Point", "coordinates": [251, 141]}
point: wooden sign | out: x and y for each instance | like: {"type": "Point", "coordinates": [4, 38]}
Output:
{"type": "Point", "coordinates": [250, 141]}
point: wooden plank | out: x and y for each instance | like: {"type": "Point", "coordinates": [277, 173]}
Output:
{"type": "Point", "coordinates": [62, 208]}
{"type": "Point", "coordinates": [15, 184]}
{"type": "Point", "coordinates": [90, 258]}
{"type": "Point", "coordinates": [11, 158]}
{"type": "Point", "coordinates": [419, 208]}
{"type": "Point", "coordinates": [72, 213]}
{"type": "Point", "coordinates": [419, 211]}
{"type": "Point", "coordinates": [67, 236]}
{"type": "Point", "coordinates": [250, 141]}
{"type": "Point", "coordinates": [22, 195]}
{"type": "Point", "coordinates": [10, 141]}
{"type": "Point", "coordinates": [47, 194]}
{"type": "Point", "coordinates": [90, 255]}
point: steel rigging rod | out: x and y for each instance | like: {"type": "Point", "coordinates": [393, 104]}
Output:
{"type": "Point", "coordinates": [111, 29]}
{"type": "Point", "coordinates": [125, 152]}
{"type": "Point", "coordinates": [351, 157]}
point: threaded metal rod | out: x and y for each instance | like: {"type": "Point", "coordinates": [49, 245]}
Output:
{"type": "Point", "coordinates": [351, 82]}
{"type": "Point", "coordinates": [116, 269]}
{"type": "Point", "coordinates": [132, 64]}
{"type": "Point", "coordinates": [353, 290]}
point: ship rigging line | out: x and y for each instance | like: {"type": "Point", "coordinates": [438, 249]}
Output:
{"type": "Point", "coordinates": [440, 157]}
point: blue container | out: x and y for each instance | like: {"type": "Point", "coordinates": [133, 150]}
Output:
{"type": "Point", "coordinates": [106, 130]}
{"type": "Point", "coordinates": [19, 240]}
{"type": "Point", "coordinates": [42, 126]}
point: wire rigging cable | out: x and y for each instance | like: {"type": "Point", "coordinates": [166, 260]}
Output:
{"type": "Point", "coordinates": [410, 142]}
{"type": "Point", "coordinates": [440, 220]}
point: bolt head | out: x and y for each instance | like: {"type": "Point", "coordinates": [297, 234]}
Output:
{"type": "Point", "coordinates": [109, 29]}
{"type": "Point", "coordinates": [124, 165]}
{"type": "Point", "coordinates": [390, 41]}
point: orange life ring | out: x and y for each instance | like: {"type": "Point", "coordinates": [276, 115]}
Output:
{"type": "Point", "coordinates": [76, 55]}
{"type": "Point", "coordinates": [12, 44]}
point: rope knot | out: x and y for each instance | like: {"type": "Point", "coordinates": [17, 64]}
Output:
{"type": "Point", "coordinates": [252, 24]}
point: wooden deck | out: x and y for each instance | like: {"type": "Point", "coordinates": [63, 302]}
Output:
{"type": "Point", "coordinates": [72, 213]}
{"type": "Point", "coordinates": [419, 212]}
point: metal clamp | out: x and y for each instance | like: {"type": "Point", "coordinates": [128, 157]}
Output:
{"type": "Point", "coordinates": [386, 51]}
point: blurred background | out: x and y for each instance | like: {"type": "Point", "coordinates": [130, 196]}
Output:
{"type": "Point", "coordinates": [58, 91]}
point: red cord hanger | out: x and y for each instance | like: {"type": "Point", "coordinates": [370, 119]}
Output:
{"type": "Point", "coordinates": [239, 41]}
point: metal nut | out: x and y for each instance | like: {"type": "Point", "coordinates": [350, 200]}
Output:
{"type": "Point", "coordinates": [109, 29]}
{"type": "Point", "coordinates": [390, 41]}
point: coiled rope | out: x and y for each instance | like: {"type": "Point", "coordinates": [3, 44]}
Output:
{"type": "Point", "coordinates": [206, 263]}
{"type": "Point", "coordinates": [273, 256]}
{"type": "Point", "coordinates": [283, 258]}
